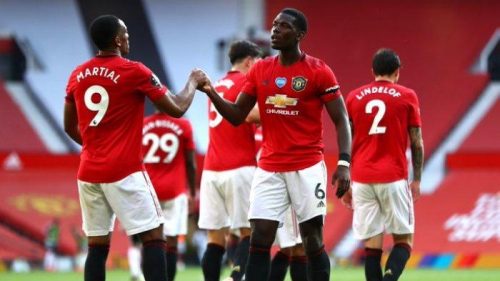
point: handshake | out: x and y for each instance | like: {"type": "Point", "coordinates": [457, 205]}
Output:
{"type": "Point", "coordinates": [201, 81]}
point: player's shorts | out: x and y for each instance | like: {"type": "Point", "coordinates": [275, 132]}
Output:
{"type": "Point", "coordinates": [288, 235]}
{"type": "Point", "coordinates": [304, 190]}
{"type": "Point", "coordinates": [382, 207]}
{"type": "Point", "coordinates": [132, 199]}
{"type": "Point", "coordinates": [175, 212]}
{"type": "Point", "coordinates": [224, 198]}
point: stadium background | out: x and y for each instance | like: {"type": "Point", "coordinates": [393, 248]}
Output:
{"type": "Point", "coordinates": [447, 48]}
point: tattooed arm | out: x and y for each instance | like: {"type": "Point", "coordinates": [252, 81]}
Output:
{"type": "Point", "coordinates": [417, 159]}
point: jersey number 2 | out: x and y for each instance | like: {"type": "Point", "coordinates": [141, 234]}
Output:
{"type": "Point", "coordinates": [101, 106]}
{"type": "Point", "coordinates": [168, 143]}
{"type": "Point", "coordinates": [380, 105]}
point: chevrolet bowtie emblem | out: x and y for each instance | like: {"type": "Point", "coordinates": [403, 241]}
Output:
{"type": "Point", "coordinates": [281, 101]}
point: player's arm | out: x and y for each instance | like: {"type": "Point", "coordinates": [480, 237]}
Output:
{"type": "Point", "coordinates": [71, 122]}
{"type": "Point", "coordinates": [254, 115]}
{"type": "Point", "coordinates": [190, 157]}
{"type": "Point", "coordinates": [236, 112]}
{"type": "Point", "coordinates": [177, 105]}
{"type": "Point", "coordinates": [338, 113]}
{"type": "Point", "coordinates": [417, 159]}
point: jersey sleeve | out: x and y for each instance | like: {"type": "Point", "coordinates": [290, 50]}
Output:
{"type": "Point", "coordinates": [188, 136]}
{"type": "Point", "coordinates": [328, 87]}
{"type": "Point", "coordinates": [250, 85]}
{"type": "Point", "coordinates": [149, 84]}
{"type": "Point", "coordinates": [70, 88]}
{"type": "Point", "coordinates": [414, 119]}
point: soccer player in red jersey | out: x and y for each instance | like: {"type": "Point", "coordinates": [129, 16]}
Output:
{"type": "Point", "coordinates": [228, 171]}
{"type": "Point", "coordinates": [384, 115]}
{"type": "Point", "coordinates": [103, 112]}
{"type": "Point", "coordinates": [291, 90]}
{"type": "Point", "coordinates": [169, 157]}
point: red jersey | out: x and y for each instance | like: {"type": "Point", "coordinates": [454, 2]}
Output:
{"type": "Point", "coordinates": [165, 141]}
{"type": "Point", "coordinates": [229, 147]}
{"type": "Point", "coordinates": [381, 113]}
{"type": "Point", "coordinates": [291, 100]}
{"type": "Point", "coordinates": [109, 94]}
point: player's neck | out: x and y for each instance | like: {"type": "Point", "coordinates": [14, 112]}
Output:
{"type": "Point", "coordinates": [289, 57]}
{"type": "Point", "coordinates": [386, 78]}
{"type": "Point", "coordinates": [108, 53]}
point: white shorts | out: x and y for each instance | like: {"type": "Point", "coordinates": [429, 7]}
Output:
{"type": "Point", "coordinates": [304, 190]}
{"type": "Point", "coordinates": [132, 199]}
{"type": "Point", "coordinates": [175, 212]}
{"type": "Point", "coordinates": [224, 198]}
{"type": "Point", "coordinates": [382, 207]}
{"type": "Point", "coordinates": [288, 235]}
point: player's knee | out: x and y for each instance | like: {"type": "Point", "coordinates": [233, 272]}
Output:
{"type": "Point", "coordinates": [312, 234]}
{"type": "Point", "coordinates": [152, 234]}
{"type": "Point", "coordinates": [403, 238]}
{"type": "Point", "coordinates": [263, 232]}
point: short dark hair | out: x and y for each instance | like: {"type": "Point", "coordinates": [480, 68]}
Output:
{"type": "Point", "coordinates": [103, 30]}
{"type": "Point", "coordinates": [385, 62]}
{"type": "Point", "coordinates": [242, 49]}
{"type": "Point", "coordinates": [300, 21]}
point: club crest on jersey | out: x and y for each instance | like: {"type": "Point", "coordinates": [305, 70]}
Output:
{"type": "Point", "coordinates": [155, 81]}
{"type": "Point", "coordinates": [299, 83]}
{"type": "Point", "coordinates": [280, 82]}
{"type": "Point", "coordinates": [281, 101]}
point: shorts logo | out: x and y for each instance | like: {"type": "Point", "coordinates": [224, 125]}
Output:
{"type": "Point", "coordinates": [299, 83]}
{"type": "Point", "coordinates": [320, 204]}
{"type": "Point", "coordinates": [280, 82]}
{"type": "Point", "coordinates": [281, 101]}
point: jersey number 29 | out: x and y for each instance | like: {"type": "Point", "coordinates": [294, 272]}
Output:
{"type": "Point", "coordinates": [168, 143]}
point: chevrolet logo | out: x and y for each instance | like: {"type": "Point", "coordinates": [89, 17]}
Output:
{"type": "Point", "coordinates": [281, 101]}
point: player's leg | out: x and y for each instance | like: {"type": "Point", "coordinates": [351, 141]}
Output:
{"type": "Point", "coordinates": [98, 222]}
{"type": "Point", "coordinates": [232, 240]}
{"type": "Point", "coordinates": [211, 262]}
{"type": "Point", "coordinates": [398, 257]}
{"type": "Point", "coordinates": [373, 253]}
{"type": "Point", "coordinates": [368, 225]}
{"type": "Point", "coordinates": [134, 202]}
{"type": "Point", "coordinates": [175, 212]}
{"type": "Point", "coordinates": [291, 251]}
{"type": "Point", "coordinates": [171, 254]}
{"type": "Point", "coordinates": [307, 189]}
{"type": "Point", "coordinates": [400, 222]}
{"type": "Point", "coordinates": [134, 258]}
{"type": "Point", "coordinates": [279, 264]}
{"type": "Point", "coordinates": [238, 205]}
{"type": "Point", "coordinates": [298, 263]}
{"type": "Point", "coordinates": [268, 201]}
{"type": "Point", "coordinates": [215, 219]}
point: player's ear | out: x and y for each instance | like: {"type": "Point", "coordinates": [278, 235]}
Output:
{"type": "Point", "coordinates": [118, 42]}
{"type": "Point", "coordinates": [300, 35]}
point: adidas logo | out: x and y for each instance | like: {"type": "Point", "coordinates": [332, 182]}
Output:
{"type": "Point", "coordinates": [388, 272]}
{"type": "Point", "coordinates": [320, 204]}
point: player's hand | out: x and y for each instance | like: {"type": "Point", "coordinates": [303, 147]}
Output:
{"type": "Point", "coordinates": [347, 199]}
{"type": "Point", "coordinates": [415, 190]}
{"type": "Point", "coordinates": [342, 179]}
{"type": "Point", "coordinates": [199, 77]}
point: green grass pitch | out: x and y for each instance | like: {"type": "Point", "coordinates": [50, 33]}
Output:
{"type": "Point", "coordinates": [340, 274]}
